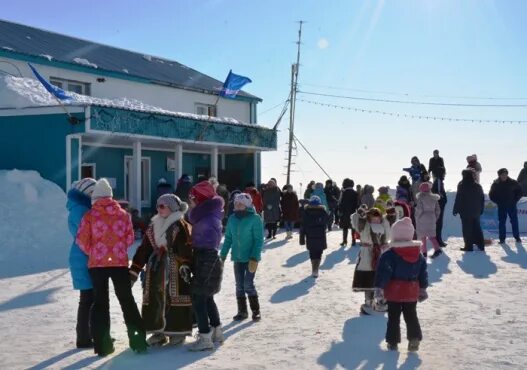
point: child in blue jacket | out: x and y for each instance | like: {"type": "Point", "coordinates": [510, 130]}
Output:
{"type": "Point", "coordinates": [401, 279]}
{"type": "Point", "coordinates": [244, 238]}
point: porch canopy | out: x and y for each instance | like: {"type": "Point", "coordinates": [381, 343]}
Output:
{"type": "Point", "coordinates": [166, 131]}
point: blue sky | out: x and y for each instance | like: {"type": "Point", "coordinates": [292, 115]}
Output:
{"type": "Point", "coordinates": [427, 50]}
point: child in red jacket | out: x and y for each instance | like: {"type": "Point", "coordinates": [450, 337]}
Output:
{"type": "Point", "coordinates": [401, 280]}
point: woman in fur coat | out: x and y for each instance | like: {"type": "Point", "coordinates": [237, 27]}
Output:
{"type": "Point", "coordinates": [427, 211]}
{"type": "Point", "coordinates": [374, 232]}
{"type": "Point", "coordinates": [313, 231]}
{"type": "Point", "coordinates": [167, 253]}
{"type": "Point", "coordinates": [367, 196]}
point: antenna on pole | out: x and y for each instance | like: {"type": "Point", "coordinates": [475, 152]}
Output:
{"type": "Point", "coordinates": [292, 103]}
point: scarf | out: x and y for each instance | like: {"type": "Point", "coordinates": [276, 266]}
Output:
{"type": "Point", "coordinates": [161, 225]}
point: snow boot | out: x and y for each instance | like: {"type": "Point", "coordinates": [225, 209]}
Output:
{"type": "Point", "coordinates": [344, 243]}
{"type": "Point", "coordinates": [137, 339]}
{"type": "Point", "coordinates": [157, 339]}
{"type": "Point", "coordinates": [242, 309]}
{"type": "Point", "coordinates": [175, 340]}
{"type": "Point", "coordinates": [289, 235]}
{"type": "Point", "coordinates": [204, 342]}
{"type": "Point", "coordinates": [437, 253]}
{"type": "Point", "coordinates": [315, 264]}
{"type": "Point", "coordinates": [105, 347]}
{"type": "Point", "coordinates": [467, 249]}
{"type": "Point", "coordinates": [413, 345]}
{"type": "Point", "coordinates": [255, 307]}
{"type": "Point", "coordinates": [391, 346]}
{"type": "Point", "coordinates": [217, 334]}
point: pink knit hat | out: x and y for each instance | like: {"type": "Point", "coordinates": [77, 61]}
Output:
{"type": "Point", "coordinates": [425, 187]}
{"type": "Point", "coordinates": [403, 230]}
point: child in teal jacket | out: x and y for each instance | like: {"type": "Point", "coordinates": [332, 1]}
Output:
{"type": "Point", "coordinates": [244, 235]}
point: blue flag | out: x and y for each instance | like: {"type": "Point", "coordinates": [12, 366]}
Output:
{"type": "Point", "coordinates": [54, 90]}
{"type": "Point", "coordinates": [232, 85]}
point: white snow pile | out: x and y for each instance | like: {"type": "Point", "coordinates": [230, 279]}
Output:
{"type": "Point", "coordinates": [85, 62]}
{"type": "Point", "coordinates": [33, 224]}
{"type": "Point", "coordinates": [8, 48]}
{"type": "Point", "coordinates": [147, 57]}
{"type": "Point", "coordinates": [47, 56]}
{"type": "Point", "coordinates": [22, 92]}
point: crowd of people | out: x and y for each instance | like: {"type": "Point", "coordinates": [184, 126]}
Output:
{"type": "Point", "coordinates": [181, 256]}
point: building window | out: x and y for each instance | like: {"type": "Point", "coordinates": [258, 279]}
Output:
{"type": "Point", "coordinates": [89, 170]}
{"type": "Point", "coordinates": [78, 87]}
{"type": "Point", "coordinates": [206, 110]}
{"type": "Point", "coordinates": [145, 179]}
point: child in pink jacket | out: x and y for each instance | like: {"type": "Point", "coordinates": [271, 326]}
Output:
{"type": "Point", "coordinates": [105, 234]}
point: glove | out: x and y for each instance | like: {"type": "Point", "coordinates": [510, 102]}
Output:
{"type": "Point", "coordinates": [253, 265]}
{"type": "Point", "coordinates": [133, 276]}
{"type": "Point", "coordinates": [184, 271]}
{"type": "Point", "coordinates": [423, 295]}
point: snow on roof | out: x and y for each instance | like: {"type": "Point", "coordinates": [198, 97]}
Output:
{"type": "Point", "coordinates": [21, 92]}
{"type": "Point", "coordinates": [84, 62]}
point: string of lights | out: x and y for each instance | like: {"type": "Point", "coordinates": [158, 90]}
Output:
{"type": "Point", "coordinates": [408, 115]}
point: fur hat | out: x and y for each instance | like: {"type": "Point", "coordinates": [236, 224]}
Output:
{"type": "Point", "coordinates": [347, 183]}
{"type": "Point", "coordinates": [202, 191]}
{"type": "Point", "coordinates": [315, 201]}
{"type": "Point", "coordinates": [503, 171]}
{"type": "Point", "coordinates": [85, 186]}
{"type": "Point", "coordinates": [102, 189]}
{"type": "Point", "coordinates": [162, 180]}
{"type": "Point", "coordinates": [319, 185]}
{"type": "Point", "coordinates": [472, 158]}
{"type": "Point", "coordinates": [425, 187]}
{"type": "Point", "coordinates": [373, 212]}
{"type": "Point", "coordinates": [384, 189]}
{"type": "Point", "coordinates": [244, 199]}
{"type": "Point", "coordinates": [172, 202]}
{"type": "Point", "coordinates": [403, 230]}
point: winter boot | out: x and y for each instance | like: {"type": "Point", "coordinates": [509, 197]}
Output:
{"type": "Point", "coordinates": [437, 253]}
{"type": "Point", "coordinates": [344, 243]}
{"type": "Point", "coordinates": [217, 334]}
{"type": "Point", "coordinates": [255, 307]}
{"type": "Point", "coordinates": [204, 342]}
{"type": "Point", "coordinates": [157, 339]}
{"type": "Point", "coordinates": [315, 264]}
{"type": "Point", "coordinates": [467, 249]}
{"type": "Point", "coordinates": [289, 235]}
{"type": "Point", "coordinates": [137, 339]}
{"type": "Point", "coordinates": [104, 347]}
{"type": "Point", "coordinates": [392, 346]}
{"type": "Point", "coordinates": [242, 309]}
{"type": "Point", "coordinates": [413, 345]}
{"type": "Point", "coordinates": [175, 340]}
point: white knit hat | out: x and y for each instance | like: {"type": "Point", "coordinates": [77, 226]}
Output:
{"type": "Point", "coordinates": [86, 185]}
{"type": "Point", "coordinates": [244, 199]}
{"type": "Point", "coordinates": [102, 190]}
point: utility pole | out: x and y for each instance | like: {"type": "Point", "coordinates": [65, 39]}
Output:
{"type": "Point", "coordinates": [292, 102]}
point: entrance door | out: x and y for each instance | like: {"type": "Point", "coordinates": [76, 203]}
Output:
{"type": "Point", "coordinates": [88, 170]}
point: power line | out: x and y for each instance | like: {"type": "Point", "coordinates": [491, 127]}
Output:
{"type": "Point", "coordinates": [408, 94]}
{"type": "Point", "coordinates": [313, 158]}
{"type": "Point", "coordinates": [273, 107]}
{"type": "Point", "coordinates": [415, 116]}
{"type": "Point", "coordinates": [414, 102]}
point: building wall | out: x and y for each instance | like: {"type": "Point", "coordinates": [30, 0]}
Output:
{"type": "Point", "coordinates": [36, 143]}
{"type": "Point", "coordinates": [169, 98]}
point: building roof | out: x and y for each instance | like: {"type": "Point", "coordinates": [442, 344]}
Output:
{"type": "Point", "coordinates": [50, 46]}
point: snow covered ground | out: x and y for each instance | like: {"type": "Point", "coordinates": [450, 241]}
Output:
{"type": "Point", "coordinates": [475, 318]}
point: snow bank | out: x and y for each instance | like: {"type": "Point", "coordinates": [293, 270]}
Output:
{"type": "Point", "coordinates": [33, 224]}
{"type": "Point", "coordinates": [18, 92]}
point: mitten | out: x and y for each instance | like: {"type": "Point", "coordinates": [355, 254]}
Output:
{"type": "Point", "coordinates": [423, 295]}
{"type": "Point", "coordinates": [253, 265]}
{"type": "Point", "coordinates": [184, 271]}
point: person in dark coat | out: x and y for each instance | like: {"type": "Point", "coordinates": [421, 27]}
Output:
{"type": "Point", "coordinates": [289, 204]}
{"type": "Point", "coordinates": [271, 202]}
{"type": "Point", "coordinates": [436, 165]}
{"type": "Point", "coordinates": [522, 179]}
{"type": "Point", "coordinates": [163, 187]}
{"type": "Point", "coordinates": [207, 268]}
{"type": "Point", "coordinates": [439, 189]}
{"type": "Point", "coordinates": [348, 204]}
{"type": "Point", "coordinates": [506, 192]}
{"type": "Point", "coordinates": [183, 187]}
{"type": "Point", "coordinates": [403, 191]}
{"type": "Point", "coordinates": [313, 232]}
{"type": "Point", "coordinates": [309, 190]}
{"type": "Point", "coordinates": [469, 204]}
{"type": "Point", "coordinates": [332, 196]}
{"type": "Point", "coordinates": [401, 279]}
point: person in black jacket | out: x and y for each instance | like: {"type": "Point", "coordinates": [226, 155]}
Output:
{"type": "Point", "coordinates": [506, 192]}
{"type": "Point", "coordinates": [332, 196]}
{"type": "Point", "coordinates": [439, 189]}
{"type": "Point", "coordinates": [469, 204]}
{"type": "Point", "coordinates": [522, 179]}
{"type": "Point", "coordinates": [348, 203]}
{"type": "Point", "coordinates": [313, 231]}
{"type": "Point", "coordinates": [436, 165]}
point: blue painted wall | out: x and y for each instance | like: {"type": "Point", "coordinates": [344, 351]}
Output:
{"type": "Point", "coordinates": [37, 143]}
